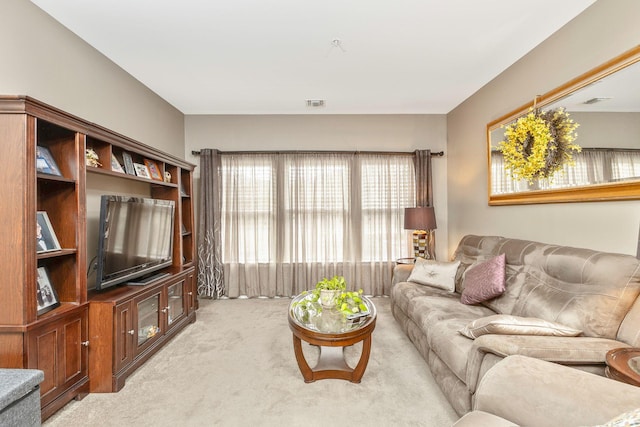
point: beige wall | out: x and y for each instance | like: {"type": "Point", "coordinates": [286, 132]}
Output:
{"type": "Point", "coordinates": [606, 29]}
{"type": "Point", "coordinates": [608, 130]}
{"type": "Point", "coordinates": [44, 60]}
{"type": "Point", "coordinates": [331, 132]}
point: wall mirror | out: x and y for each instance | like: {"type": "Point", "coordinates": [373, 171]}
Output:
{"type": "Point", "coordinates": [605, 102]}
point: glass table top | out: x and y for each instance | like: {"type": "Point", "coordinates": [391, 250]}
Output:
{"type": "Point", "coordinates": [313, 316]}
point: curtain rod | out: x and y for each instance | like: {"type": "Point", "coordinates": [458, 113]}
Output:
{"type": "Point", "coordinates": [392, 153]}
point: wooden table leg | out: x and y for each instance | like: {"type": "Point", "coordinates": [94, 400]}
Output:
{"type": "Point", "coordinates": [358, 372]}
{"type": "Point", "coordinates": [306, 371]}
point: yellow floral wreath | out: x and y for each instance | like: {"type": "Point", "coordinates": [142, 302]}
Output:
{"type": "Point", "coordinates": [539, 144]}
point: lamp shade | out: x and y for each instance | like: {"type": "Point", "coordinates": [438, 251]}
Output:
{"type": "Point", "coordinates": [420, 218]}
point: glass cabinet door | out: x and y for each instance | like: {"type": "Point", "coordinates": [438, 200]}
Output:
{"type": "Point", "coordinates": [148, 318]}
{"type": "Point", "coordinates": [175, 307]}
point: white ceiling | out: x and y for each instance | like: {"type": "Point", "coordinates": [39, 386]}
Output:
{"type": "Point", "coordinates": [270, 56]}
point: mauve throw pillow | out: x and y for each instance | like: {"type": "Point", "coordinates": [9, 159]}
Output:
{"type": "Point", "coordinates": [484, 281]}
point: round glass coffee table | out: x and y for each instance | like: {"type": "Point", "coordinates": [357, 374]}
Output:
{"type": "Point", "coordinates": [332, 332]}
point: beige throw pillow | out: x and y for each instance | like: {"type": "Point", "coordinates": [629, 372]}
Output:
{"type": "Point", "coordinates": [441, 275]}
{"type": "Point", "coordinates": [505, 324]}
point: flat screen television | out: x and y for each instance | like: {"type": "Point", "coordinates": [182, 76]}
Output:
{"type": "Point", "coordinates": [135, 238]}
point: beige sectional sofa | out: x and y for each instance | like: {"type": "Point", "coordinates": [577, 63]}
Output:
{"type": "Point", "coordinates": [589, 291]}
{"type": "Point", "coordinates": [523, 391]}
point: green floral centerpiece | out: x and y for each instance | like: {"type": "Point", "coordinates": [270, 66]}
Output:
{"type": "Point", "coordinates": [350, 303]}
{"type": "Point", "coordinates": [332, 294]}
{"type": "Point", "coordinates": [539, 144]}
{"type": "Point", "coordinates": [329, 289]}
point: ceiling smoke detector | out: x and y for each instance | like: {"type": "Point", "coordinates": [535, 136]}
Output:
{"type": "Point", "coordinates": [315, 103]}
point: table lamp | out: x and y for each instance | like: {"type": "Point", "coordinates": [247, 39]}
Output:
{"type": "Point", "coordinates": [422, 220]}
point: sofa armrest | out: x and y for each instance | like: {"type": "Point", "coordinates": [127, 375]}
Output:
{"type": "Point", "coordinates": [529, 391]}
{"type": "Point", "coordinates": [401, 273]}
{"type": "Point", "coordinates": [563, 350]}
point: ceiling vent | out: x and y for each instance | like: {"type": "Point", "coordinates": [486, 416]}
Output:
{"type": "Point", "coordinates": [315, 103]}
{"type": "Point", "coordinates": [595, 100]}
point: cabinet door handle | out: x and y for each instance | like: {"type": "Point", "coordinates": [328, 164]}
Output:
{"type": "Point", "coordinates": [190, 293]}
{"type": "Point", "coordinates": [85, 343]}
{"type": "Point", "coordinates": [131, 332]}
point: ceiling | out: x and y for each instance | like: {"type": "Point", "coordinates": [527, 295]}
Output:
{"type": "Point", "coordinates": [270, 56]}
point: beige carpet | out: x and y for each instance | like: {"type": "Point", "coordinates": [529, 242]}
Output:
{"type": "Point", "coordinates": [235, 367]}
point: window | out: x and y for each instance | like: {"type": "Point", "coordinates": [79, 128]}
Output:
{"type": "Point", "coordinates": [315, 208]}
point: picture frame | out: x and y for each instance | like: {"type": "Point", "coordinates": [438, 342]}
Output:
{"type": "Point", "coordinates": [115, 165]}
{"type": "Point", "coordinates": [46, 295]}
{"type": "Point", "coordinates": [46, 239]}
{"type": "Point", "coordinates": [154, 170]}
{"type": "Point", "coordinates": [141, 170]}
{"type": "Point", "coordinates": [45, 163]}
{"type": "Point", "coordinates": [128, 163]}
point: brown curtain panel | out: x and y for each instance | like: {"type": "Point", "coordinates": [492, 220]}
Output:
{"type": "Point", "coordinates": [424, 185]}
{"type": "Point", "coordinates": [210, 268]}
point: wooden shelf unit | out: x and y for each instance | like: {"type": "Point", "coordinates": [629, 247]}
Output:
{"type": "Point", "coordinates": [116, 324]}
{"type": "Point", "coordinates": [58, 341]}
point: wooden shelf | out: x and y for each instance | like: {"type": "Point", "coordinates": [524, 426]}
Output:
{"type": "Point", "coordinates": [57, 341]}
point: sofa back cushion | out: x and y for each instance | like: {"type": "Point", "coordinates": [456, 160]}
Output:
{"type": "Point", "coordinates": [630, 329]}
{"type": "Point", "coordinates": [473, 250]}
{"type": "Point", "coordinates": [584, 289]}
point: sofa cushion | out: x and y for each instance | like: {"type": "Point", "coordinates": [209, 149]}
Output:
{"type": "Point", "coordinates": [629, 331]}
{"type": "Point", "coordinates": [404, 294]}
{"type": "Point", "coordinates": [482, 419]}
{"type": "Point", "coordinates": [473, 250]}
{"type": "Point", "coordinates": [451, 347]}
{"type": "Point", "coordinates": [433, 273]}
{"type": "Point", "coordinates": [513, 325]}
{"type": "Point", "coordinates": [484, 281]}
{"type": "Point", "coordinates": [584, 289]}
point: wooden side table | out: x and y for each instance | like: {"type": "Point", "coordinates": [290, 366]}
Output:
{"type": "Point", "coordinates": [623, 364]}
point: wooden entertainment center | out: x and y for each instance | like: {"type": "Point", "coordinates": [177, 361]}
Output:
{"type": "Point", "coordinates": [83, 340]}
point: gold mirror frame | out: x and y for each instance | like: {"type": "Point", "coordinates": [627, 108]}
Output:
{"type": "Point", "coordinates": [590, 193]}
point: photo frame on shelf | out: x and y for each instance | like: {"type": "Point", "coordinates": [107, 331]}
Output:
{"type": "Point", "coordinates": [115, 165]}
{"type": "Point", "coordinates": [183, 192]}
{"type": "Point", "coordinates": [128, 163]}
{"type": "Point", "coordinates": [45, 292]}
{"type": "Point", "coordinates": [154, 170]}
{"type": "Point", "coordinates": [46, 239]}
{"type": "Point", "coordinates": [45, 162]}
{"type": "Point", "coordinates": [141, 170]}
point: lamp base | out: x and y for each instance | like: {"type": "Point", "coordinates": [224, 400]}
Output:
{"type": "Point", "coordinates": [422, 244]}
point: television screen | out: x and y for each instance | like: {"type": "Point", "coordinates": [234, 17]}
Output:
{"type": "Point", "coordinates": [135, 238]}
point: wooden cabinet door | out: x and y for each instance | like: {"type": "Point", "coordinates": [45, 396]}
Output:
{"type": "Point", "coordinates": [59, 348]}
{"type": "Point", "coordinates": [177, 299]}
{"type": "Point", "coordinates": [124, 333]}
{"type": "Point", "coordinates": [148, 318]}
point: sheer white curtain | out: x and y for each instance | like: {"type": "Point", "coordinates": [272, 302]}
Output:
{"type": "Point", "coordinates": [591, 166]}
{"type": "Point", "coordinates": [625, 165]}
{"type": "Point", "coordinates": [290, 219]}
